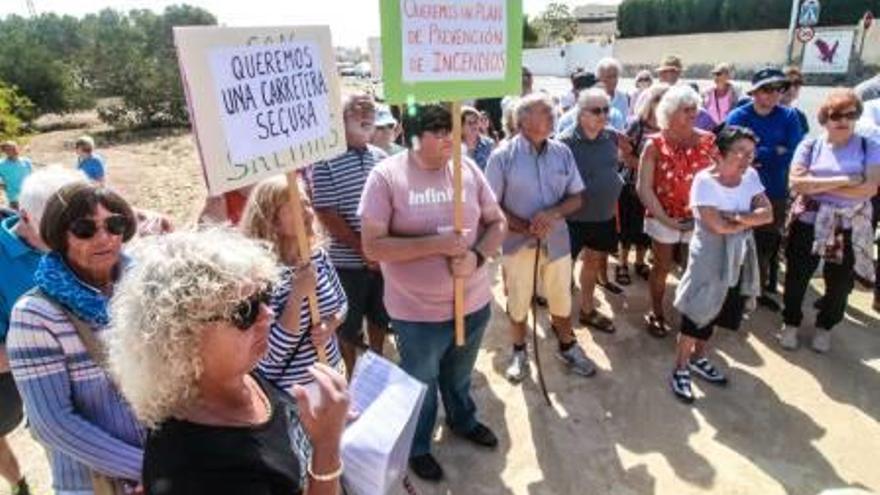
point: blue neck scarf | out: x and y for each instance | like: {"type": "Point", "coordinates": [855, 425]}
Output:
{"type": "Point", "coordinates": [58, 281]}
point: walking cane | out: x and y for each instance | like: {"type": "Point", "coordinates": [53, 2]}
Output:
{"type": "Point", "coordinates": [535, 325]}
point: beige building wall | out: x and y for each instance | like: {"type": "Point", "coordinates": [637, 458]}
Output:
{"type": "Point", "coordinates": [745, 49]}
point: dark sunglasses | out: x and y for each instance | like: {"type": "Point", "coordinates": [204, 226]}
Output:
{"type": "Point", "coordinates": [246, 312]}
{"type": "Point", "coordinates": [837, 117]}
{"type": "Point", "coordinates": [775, 88]}
{"type": "Point", "coordinates": [86, 228]}
{"type": "Point", "coordinates": [599, 110]}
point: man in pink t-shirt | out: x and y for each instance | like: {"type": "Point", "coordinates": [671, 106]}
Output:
{"type": "Point", "coordinates": [406, 220]}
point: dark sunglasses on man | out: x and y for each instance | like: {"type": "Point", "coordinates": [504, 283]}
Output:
{"type": "Point", "coordinates": [598, 111]}
{"type": "Point", "coordinates": [86, 228]}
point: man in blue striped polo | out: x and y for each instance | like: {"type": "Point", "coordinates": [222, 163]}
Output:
{"type": "Point", "coordinates": [336, 194]}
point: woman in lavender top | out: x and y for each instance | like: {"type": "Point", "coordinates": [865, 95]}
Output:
{"type": "Point", "coordinates": [73, 408]}
{"type": "Point", "coordinates": [835, 176]}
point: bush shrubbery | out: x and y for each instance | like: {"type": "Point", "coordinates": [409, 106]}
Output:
{"type": "Point", "coordinates": [63, 63]}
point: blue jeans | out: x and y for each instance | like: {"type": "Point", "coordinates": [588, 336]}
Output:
{"type": "Point", "coordinates": [429, 354]}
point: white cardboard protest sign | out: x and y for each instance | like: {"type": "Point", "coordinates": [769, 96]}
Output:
{"type": "Point", "coordinates": [263, 101]}
{"type": "Point", "coordinates": [376, 446]}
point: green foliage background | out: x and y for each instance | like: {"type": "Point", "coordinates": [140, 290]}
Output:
{"type": "Point", "coordinates": [62, 63]}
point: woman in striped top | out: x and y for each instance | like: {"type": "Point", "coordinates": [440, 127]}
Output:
{"type": "Point", "coordinates": [268, 216]}
{"type": "Point", "coordinates": [74, 410]}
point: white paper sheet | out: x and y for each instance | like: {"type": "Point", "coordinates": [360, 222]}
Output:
{"type": "Point", "coordinates": [375, 448]}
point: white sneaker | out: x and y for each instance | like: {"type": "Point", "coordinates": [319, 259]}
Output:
{"type": "Point", "coordinates": [518, 368]}
{"type": "Point", "coordinates": [822, 341]}
{"type": "Point", "coordinates": [788, 337]}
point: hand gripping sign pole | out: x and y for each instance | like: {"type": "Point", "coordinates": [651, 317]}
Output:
{"type": "Point", "coordinates": [247, 128]}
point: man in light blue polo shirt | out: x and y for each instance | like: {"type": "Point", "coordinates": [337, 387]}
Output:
{"type": "Point", "coordinates": [13, 170]}
{"type": "Point", "coordinates": [20, 251]}
{"type": "Point", "coordinates": [537, 183]}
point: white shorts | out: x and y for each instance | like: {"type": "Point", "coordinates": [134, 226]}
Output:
{"type": "Point", "coordinates": [555, 275]}
{"type": "Point", "coordinates": [664, 234]}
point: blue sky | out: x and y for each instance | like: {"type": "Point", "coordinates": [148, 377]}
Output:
{"type": "Point", "coordinates": [351, 21]}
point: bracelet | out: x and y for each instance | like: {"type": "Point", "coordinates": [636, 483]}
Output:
{"type": "Point", "coordinates": [326, 477]}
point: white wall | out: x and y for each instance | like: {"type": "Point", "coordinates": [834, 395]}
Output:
{"type": "Point", "coordinates": [563, 60]}
{"type": "Point", "coordinates": [744, 49]}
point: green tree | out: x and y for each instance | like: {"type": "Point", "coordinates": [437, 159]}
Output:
{"type": "Point", "coordinates": [530, 35]}
{"type": "Point", "coordinates": [32, 58]}
{"type": "Point", "coordinates": [557, 23]}
{"type": "Point", "coordinates": [16, 111]}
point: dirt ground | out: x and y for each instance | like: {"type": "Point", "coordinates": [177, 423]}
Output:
{"type": "Point", "coordinates": [789, 423]}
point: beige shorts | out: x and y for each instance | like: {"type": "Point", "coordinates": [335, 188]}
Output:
{"type": "Point", "coordinates": [556, 277]}
{"type": "Point", "coordinates": [664, 234]}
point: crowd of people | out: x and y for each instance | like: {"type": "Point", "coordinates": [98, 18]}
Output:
{"type": "Point", "coordinates": [162, 362]}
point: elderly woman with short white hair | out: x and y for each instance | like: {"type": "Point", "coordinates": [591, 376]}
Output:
{"type": "Point", "coordinates": [191, 324]}
{"type": "Point", "coordinates": [667, 168]}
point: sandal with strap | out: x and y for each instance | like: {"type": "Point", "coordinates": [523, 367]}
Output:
{"type": "Point", "coordinates": [598, 321]}
{"type": "Point", "coordinates": [621, 275]}
{"type": "Point", "coordinates": [643, 270]}
{"type": "Point", "coordinates": [656, 326]}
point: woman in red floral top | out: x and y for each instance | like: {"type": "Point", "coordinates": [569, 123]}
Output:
{"type": "Point", "coordinates": [668, 164]}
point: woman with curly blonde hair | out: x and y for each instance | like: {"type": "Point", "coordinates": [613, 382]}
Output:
{"type": "Point", "coordinates": [191, 324]}
{"type": "Point", "coordinates": [268, 217]}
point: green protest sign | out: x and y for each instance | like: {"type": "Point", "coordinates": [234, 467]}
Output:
{"type": "Point", "coordinates": [448, 50]}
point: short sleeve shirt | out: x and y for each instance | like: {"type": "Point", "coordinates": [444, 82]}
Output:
{"type": "Point", "coordinates": [824, 160]}
{"type": "Point", "coordinates": [93, 167]}
{"type": "Point", "coordinates": [707, 191]}
{"type": "Point", "coordinates": [414, 202]}
{"type": "Point", "coordinates": [597, 163]}
{"type": "Point", "coordinates": [13, 173]}
{"type": "Point", "coordinates": [675, 170]}
{"type": "Point", "coordinates": [527, 181]}
{"type": "Point", "coordinates": [291, 351]}
{"type": "Point", "coordinates": [18, 262]}
{"type": "Point", "coordinates": [337, 184]}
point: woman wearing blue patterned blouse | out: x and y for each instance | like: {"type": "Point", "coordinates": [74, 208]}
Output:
{"type": "Point", "coordinates": [268, 216]}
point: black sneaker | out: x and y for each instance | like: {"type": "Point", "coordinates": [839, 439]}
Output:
{"type": "Point", "coordinates": [426, 467]}
{"type": "Point", "coordinates": [704, 369]}
{"type": "Point", "coordinates": [769, 303]}
{"type": "Point", "coordinates": [681, 385]}
{"type": "Point", "coordinates": [482, 436]}
{"type": "Point", "coordinates": [540, 301]}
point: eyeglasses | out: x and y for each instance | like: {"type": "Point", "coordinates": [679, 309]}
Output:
{"type": "Point", "coordinates": [774, 88]}
{"type": "Point", "coordinates": [744, 155]}
{"type": "Point", "coordinates": [838, 116]}
{"type": "Point", "coordinates": [86, 228]}
{"type": "Point", "coordinates": [599, 110]}
{"type": "Point", "coordinates": [246, 312]}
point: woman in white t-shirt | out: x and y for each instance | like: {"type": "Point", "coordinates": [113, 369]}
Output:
{"type": "Point", "coordinates": [728, 201]}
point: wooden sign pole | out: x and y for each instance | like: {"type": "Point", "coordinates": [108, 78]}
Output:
{"type": "Point", "coordinates": [458, 217]}
{"type": "Point", "coordinates": [305, 253]}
